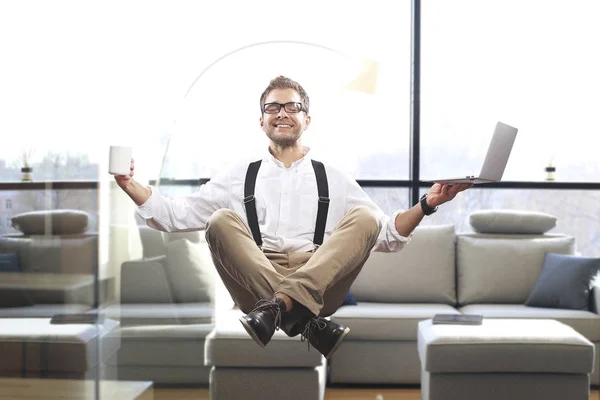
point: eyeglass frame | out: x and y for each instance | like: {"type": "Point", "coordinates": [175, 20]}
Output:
{"type": "Point", "coordinates": [283, 105]}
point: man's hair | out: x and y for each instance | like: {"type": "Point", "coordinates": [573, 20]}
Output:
{"type": "Point", "coordinates": [282, 82]}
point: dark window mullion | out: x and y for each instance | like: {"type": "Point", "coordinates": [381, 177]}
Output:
{"type": "Point", "coordinates": [415, 104]}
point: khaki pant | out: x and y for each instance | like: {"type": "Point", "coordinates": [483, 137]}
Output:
{"type": "Point", "coordinates": [318, 280]}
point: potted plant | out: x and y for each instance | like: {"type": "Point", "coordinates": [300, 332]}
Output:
{"type": "Point", "coordinates": [26, 169]}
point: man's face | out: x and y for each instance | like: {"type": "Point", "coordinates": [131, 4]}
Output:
{"type": "Point", "coordinates": [284, 128]}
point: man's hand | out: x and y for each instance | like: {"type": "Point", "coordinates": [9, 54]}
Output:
{"type": "Point", "coordinates": [124, 180]}
{"type": "Point", "coordinates": [442, 193]}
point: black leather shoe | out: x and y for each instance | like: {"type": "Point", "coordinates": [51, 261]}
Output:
{"type": "Point", "coordinates": [262, 322]}
{"type": "Point", "coordinates": [324, 335]}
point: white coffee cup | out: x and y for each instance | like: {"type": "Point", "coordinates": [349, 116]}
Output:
{"type": "Point", "coordinates": [119, 160]}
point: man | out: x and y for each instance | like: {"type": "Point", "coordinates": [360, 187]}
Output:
{"type": "Point", "coordinates": [287, 235]}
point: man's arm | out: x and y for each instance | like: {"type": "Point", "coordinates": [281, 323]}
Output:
{"type": "Point", "coordinates": [138, 193]}
{"type": "Point", "coordinates": [407, 221]}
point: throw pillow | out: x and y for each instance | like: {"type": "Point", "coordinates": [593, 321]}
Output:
{"type": "Point", "coordinates": [349, 300]}
{"type": "Point", "coordinates": [565, 282]}
{"type": "Point", "coordinates": [511, 221]}
{"type": "Point", "coordinates": [9, 262]}
{"type": "Point", "coordinates": [190, 271]}
{"type": "Point", "coordinates": [61, 222]}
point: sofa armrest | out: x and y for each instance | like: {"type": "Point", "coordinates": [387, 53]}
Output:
{"type": "Point", "coordinates": [145, 281]}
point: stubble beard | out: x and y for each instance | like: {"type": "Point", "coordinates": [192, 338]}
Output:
{"type": "Point", "coordinates": [285, 140]}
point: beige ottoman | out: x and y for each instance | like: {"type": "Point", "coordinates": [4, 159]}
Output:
{"type": "Point", "coordinates": [504, 359]}
{"type": "Point", "coordinates": [32, 347]}
{"type": "Point", "coordinates": [241, 369]}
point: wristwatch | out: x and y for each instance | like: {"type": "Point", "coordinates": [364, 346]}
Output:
{"type": "Point", "coordinates": [426, 209]}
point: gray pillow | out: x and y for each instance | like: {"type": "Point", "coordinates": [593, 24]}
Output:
{"type": "Point", "coordinates": [511, 221]}
{"type": "Point", "coordinates": [565, 282]}
{"type": "Point", "coordinates": [190, 271]}
{"type": "Point", "coordinates": [60, 222]}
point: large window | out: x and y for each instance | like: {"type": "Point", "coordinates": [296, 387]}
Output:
{"type": "Point", "coordinates": [70, 83]}
{"type": "Point", "coordinates": [358, 92]}
{"type": "Point", "coordinates": [532, 64]}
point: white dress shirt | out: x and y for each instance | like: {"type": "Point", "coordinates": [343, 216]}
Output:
{"type": "Point", "coordinates": [286, 205]}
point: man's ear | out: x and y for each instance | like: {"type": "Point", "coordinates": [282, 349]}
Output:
{"type": "Point", "coordinates": [262, 122]}
{"type": "Point", "coordinates": [307, 120]}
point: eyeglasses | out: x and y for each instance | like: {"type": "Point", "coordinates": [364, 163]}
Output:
{"type": "Point", "coordinates": [291, 107]}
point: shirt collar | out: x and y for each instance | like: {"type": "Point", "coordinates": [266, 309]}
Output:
{"type": "Point", "coordinates": [270, 158]}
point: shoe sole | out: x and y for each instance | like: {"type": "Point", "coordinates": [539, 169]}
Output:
{"type": "Point", "coordinates": [251, 332]}
{"type": "Point", "coordinates": [338, 343]}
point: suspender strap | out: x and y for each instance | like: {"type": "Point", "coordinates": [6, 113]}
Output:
{"type": "Point", "coordinates": [323, 205]}
{"type": "Point", "coordinates": [323, 189]}
{"type": "Point", "coordinates": [250, 202]}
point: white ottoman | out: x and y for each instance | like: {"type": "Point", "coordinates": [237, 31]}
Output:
{"type": "Point", "coordinates": [504, 359]}
{"type": "Point", "coordinates": [34, 348]}
{"type": "Point", "coordinates": [241, 369]}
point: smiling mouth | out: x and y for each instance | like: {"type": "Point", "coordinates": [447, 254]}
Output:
{"type": "Point", "coordinates": [283, 126]}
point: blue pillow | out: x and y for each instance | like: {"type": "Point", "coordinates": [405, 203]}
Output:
{"type": "Point", "coordinates": [9, 262]}
{"type": "Point", "coordinates": [349, 300]}
{"type": "Point", "coordinates": [565, 282]}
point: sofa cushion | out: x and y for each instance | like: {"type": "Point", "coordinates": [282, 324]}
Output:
{"type": "Point", "coordinates": [190, 271]}
{"type": "Point", "coordinates": [145, 281]}
{"type": "Point", "coordinates": [192, 236]}
{"type": "Point", "coordinates": [585, 322]}
{"type": "Point", "coordinates": [43, 310]}
{"type": "Point", "coordinates": [503, 268]}
{"type": "Point", "coordinates": [422, 272]}
{"type": "Point", "coordinates": [511, 221]}
{"type": "Point", "coordinates": [162, 314]}
{"type": "Point", "coordinates": [384, 321]}
{"type": "Point", "coordinates": [565, 282]}
{"type": "Point", "coordinates": [49, 288]}
{"type": "Point", "coordinates": [153, 243]}
{"type": "Point", "coordinates": [60, 222]}
{"type": "Point", "coordinates": [9, 262]}
{"type": "Point", "coordinates": [65, 254]}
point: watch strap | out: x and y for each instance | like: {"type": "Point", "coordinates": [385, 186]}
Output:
{"type": "Point", "coordinates": [427, 210]}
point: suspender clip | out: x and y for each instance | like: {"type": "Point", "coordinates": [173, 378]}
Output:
{"type": "Point", "coordinates": [248, 199]}
{"type": "Point", "coordinates": [323, 199]}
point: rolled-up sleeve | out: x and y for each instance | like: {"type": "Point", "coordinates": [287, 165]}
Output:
{"type": "Point", "coordinates": [389, 239]}
{"type": "Point", "coordinates": [185, 213]}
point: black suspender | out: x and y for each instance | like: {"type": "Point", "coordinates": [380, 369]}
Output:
{"type": "Point", "coordinates": [250, 202]}
{"type": "Point", "coordinates": [323, 201]}
{"type": "Point", "coordinates": [323, 189]}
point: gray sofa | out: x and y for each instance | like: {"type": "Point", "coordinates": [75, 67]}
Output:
{"type": "Point", "coordinates": [166, 310]}
{"type": "Point", "coordinates": [57, 275]}
{"type": "Point", "coordinates": [444, 272]}
{"type": "Point", "coordinates": [440, 271]}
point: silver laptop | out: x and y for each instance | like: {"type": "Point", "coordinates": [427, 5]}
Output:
{"type": "Point", "coordinates": [495, 159]}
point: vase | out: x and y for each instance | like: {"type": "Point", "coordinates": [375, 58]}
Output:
{"type": "Point", "coordinates": [550, 173]}
{"type": "Point", "coordinates": [26, 174]}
